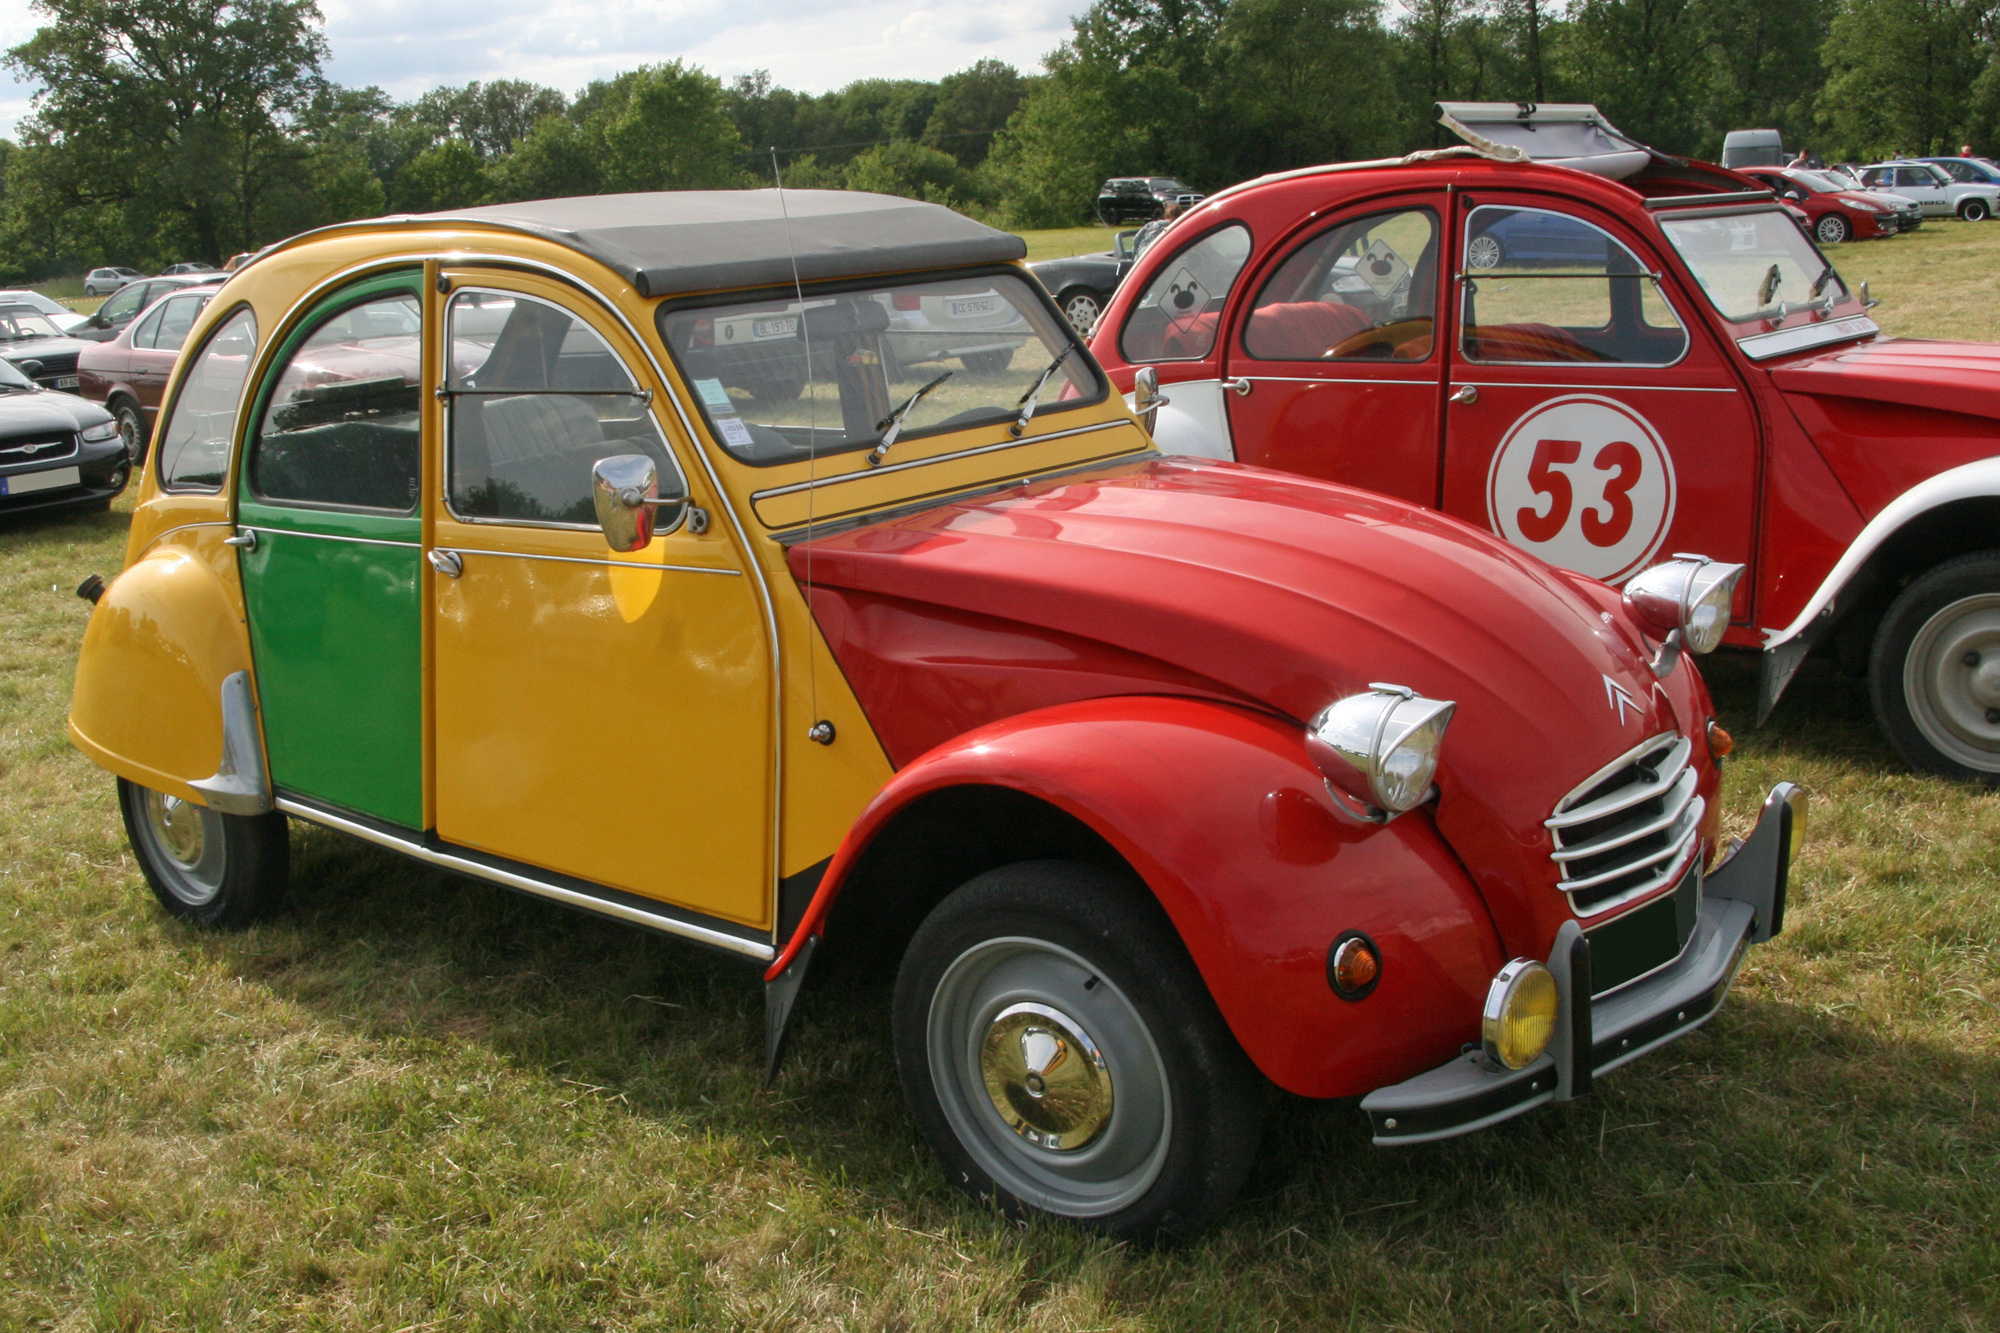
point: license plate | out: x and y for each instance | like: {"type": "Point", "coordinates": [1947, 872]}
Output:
{"type": "Point", "coordinates": [978, 305]}
{"type": "Point", "coordinates": [21, 483]}
{"type": "Point", "coordinates": [1646, 940]}
{"type": "Point", "coordinates": [63, 382]}
{"type": "Point", "coordinates": [774, 328]}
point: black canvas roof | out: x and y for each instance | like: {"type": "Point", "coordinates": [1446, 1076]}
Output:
{"type": "Point", "coordinates": [708, 240]}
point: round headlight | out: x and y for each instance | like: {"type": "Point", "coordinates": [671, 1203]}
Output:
{"type": "Point", "coordinates": [1381, 747]}
{"type": "Point", "coordinates": [1520, 1014]}
{"type": "Point", "coordinates": [1689, 593]}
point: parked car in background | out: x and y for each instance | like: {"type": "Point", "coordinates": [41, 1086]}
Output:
{"type": "Point", "coordinates": [59, 314]}
{"type": "Point", "coordinates": [125, 304]}
{"type": "Point", "coordinates": [56, 450]}
{"type": "Point", "coordinates": [129, 373]}
{"type": "Point", "coordinates": [1834, 212]}
{"type": "Point", "coordinates": [32, 343]}
{"type": "Point", "coordinates": [190, 267]}
{"type": "Point", "coordinates": [104, 281]}
{"type": "Point", "coordinates": [1083, 284]}
{"type": "Point", "coordinates": [1933, 189]}
{"type": "Point", "coordinates": [1754, 148]}
{"type": "Point", "coordinates": [1966, 170]}
{"type": "Point", "coordinates": [1087, 744]}
{"type": "Point", "coordinates": [1693, 376]}
{"type": "Point", "coordinates": [1126, 199]}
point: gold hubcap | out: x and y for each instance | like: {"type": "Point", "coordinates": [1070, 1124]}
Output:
{"type": "Point", "coordinates": [1046, 1077]}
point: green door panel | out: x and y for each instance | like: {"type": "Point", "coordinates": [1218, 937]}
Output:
{"type": "Point", "coordinates": [334, 630]}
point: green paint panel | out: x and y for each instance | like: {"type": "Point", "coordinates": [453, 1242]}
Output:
{"type": "Point", "coordinates": [334, 626]}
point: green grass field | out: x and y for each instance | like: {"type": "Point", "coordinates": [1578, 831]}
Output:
{"type": "Point", "coordinates": [413, 1103]}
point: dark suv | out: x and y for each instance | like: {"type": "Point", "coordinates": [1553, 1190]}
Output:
{"type": "Point", "coordinates": [1127, 199]}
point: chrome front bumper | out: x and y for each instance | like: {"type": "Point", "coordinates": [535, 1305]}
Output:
{"type": "Point", "coordinates": [1743, 903]}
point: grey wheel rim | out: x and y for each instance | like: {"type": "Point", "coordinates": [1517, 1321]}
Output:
{"type": "Point", "coordinates": [184, 843]}
{"type": "Point", "coordinates": [1951, 681]}
{"type": "Point", "coordinates": [1832, 230]}
{"type": "Point", "coordinates": [128, 431]}
{"type": "Point", "coordinates": [1482, 252]}
{"type": "Point", "coordinates": [1049, 1077]}
{"type": "Point", "coordinates": [1082, 311]}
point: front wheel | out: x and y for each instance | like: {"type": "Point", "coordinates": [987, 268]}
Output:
{"type": "Point", "coordinates": [1934, 672]}
{"type": "Point", "coordinates": [207, 868]}
{"type": "Point", "coordinates": [1832, 229]}
{"type": "Point", "coordinates": [1082, 308]}
{"type": "Point", "coordinates": [1974, 210]}
{"type": "Point", "coordinates": [1061, 1055]}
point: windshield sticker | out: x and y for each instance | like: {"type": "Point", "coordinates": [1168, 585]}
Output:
{"type": "Point", "coordinates": [1185, 295]}
{"type": "Point", "coordinates": [712, 393]}
{"type": "Point", "coordinates": [733, 431]}
{"type": "Point", "coordinates": [1382, 268]}
{"type": "Point", "coordinates": [1585, 483]}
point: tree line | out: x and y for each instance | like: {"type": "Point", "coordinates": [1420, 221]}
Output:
{"type": "Point", "coordinates": [191, 129]}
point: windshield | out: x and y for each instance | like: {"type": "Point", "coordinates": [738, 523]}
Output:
{"type": "Point", "coordinates": [12, 378]}
{"type": "Point", "coordinates": [19, 322]}
{"type": "Point", "coordinates": [1748, 264]}
{"type": "Point", "coordinates": [1817, 183]}
{"type": "Point", "coordinates": [777, 387]}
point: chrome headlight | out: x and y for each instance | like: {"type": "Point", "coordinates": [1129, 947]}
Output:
{"type": "Point", "coordinates": [103, 430]}
{"type": "Point", "coordinates": [1381, 748]}
{"type": "Point", "coordinates": [1689, 593]}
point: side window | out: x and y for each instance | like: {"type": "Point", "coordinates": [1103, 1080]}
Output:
{"type": "Point", "coordinates": [124, 303]}
{"type": "Point", "coordinates": [340, 425]}
{"type": "Point", "coordinates": [1363, 290]}
{"type": "Point", "coordinates": [148, 328]}
{"type": "Point", "coordinates": [1176, 318]}
{"type": "Point", "coordinates": [1546, 287]}
{"type": "Point", "coordinates": [176, 318]}
{"type": "Point", "coordinates": [537, 398]}
{"type": "Point", "coordinates": [194, 439]}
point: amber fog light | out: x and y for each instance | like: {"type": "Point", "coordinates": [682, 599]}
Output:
{"type": "Point", "coordinates": [1720, 742]}
{"type": "Point", "coordinates": [1353, 965]}
{"type": "Point", "coordinates": [1520, 1014]}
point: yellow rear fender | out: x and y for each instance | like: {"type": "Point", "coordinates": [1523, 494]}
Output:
{"type": "Point", "coordinates": [163, 685]}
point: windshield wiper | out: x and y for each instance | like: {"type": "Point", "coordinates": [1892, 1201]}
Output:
{"type": "Point", "coordinates": [1030, 400]}
{"type": "Point", "coordinates": [892, 425]}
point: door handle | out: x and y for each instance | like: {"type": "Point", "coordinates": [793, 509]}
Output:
{"type": "Point", "coordinates": [245, 540]}
{"type": "Point", "coordinates": [447, 563]}
{"type": "Point", "coordinates": [1242, 386]}
{"type": "Point", "coordinates": [1467, 394]}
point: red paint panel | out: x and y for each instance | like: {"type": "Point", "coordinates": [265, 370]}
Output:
{"type": "Point", "coordinates": [1879, 450]}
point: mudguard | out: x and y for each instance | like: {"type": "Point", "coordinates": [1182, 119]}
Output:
{"type": "Point", "coordinates": [163, 693]}
{"type": "Point", "coordinates": [1221, 812]}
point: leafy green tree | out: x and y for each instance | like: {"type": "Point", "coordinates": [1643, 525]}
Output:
{"type": "Point", "coordinates": [447, 176]}
{"type": "Point", "coordinates": [1306, 81]}
{"type": "Point", "coordinates": [913, 171]}
{"type": "Point", "coordinates": [556, 160]}
{"type": "Point", "coordinates": [1643, 62]}
{"type": "Point", "coordinates": [663, 127]}
{"type": "Point", "coordinates": [1902, 74]}
{"type": "Point", "coordinates": [971, 107]}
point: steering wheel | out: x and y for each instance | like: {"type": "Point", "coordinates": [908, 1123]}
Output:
{"type": "Point", "coordinates": [1381, 342]}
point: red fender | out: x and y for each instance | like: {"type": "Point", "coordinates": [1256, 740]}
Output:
{"type": "Point", "coordinates": [1221, 812]}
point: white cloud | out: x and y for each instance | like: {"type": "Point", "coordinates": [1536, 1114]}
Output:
{"type": "Point", "coordinates": [814, 47]}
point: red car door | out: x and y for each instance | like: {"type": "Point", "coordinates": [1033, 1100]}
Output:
{"type": "Point", "coordinates": [1591, 419]}
{"type": "Point", "coordinates": [1333, 369]}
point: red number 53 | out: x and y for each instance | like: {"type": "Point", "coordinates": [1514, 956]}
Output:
{"type": "Point", "coordinates": [1618, 458]}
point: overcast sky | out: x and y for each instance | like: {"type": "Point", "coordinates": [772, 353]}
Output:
{"type": "Point", "coordinates": [811, 45]}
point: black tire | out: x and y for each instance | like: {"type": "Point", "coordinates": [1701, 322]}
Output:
{"type": "Point", "coordinates": [131, 429]}
{"type": "Point", "coordinates": [239, 863]}
{"type": "Point", "coordinates": [1082, 307]}
{"type": "Point", "coordinates": [1974, 210]}
{"type": "Point", "coordinates": [1934, 673]}
{"type": "Point", "coordinates": [1832, 229]}
{"type": "Point", "coordinates": [1164, 1107]}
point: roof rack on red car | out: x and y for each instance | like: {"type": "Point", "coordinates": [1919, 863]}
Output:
{"type": "Point", "coordinates": [1564, 134]}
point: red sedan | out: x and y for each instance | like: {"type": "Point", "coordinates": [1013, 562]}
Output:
{"type": "Point", "coordinates": [128, 373]}
{"type": "Point", "coordinates": [1835, 213]}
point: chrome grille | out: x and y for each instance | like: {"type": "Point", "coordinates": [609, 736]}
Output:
{"type": "Point", "coordinates": [37, 448]}
{"type": "Point", "coordinates": [1630, 828]}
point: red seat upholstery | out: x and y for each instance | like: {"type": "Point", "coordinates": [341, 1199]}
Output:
{"type": "Point", "coordinates": [1190, 337]}
{"type": "Point", "coordinates": [1526, 342]}
{"type": "Point", "coordinates": [1301, 330]}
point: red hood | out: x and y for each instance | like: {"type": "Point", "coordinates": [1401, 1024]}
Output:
{"type": "Point", "coordinates": [1911, 372]}
{"type": "Point", "coordinates": [1294, 593]}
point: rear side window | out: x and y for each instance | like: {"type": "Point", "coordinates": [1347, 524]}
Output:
{"type": "Point", "coordinates": [195, 437]}
{"type": "Point", "coordinates": [1544, 287]}
{"type": "Point", "coordinates": [340, 429]}
{"type": "Point", "coordinates": [1177, 316]}
{"type": "Point", "coordinates": [176, 320]}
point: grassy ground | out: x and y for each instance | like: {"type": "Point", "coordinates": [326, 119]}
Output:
{"type": "Point", "coordinates": [412, 1103]}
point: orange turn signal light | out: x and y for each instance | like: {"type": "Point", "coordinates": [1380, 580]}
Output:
{"type": "Point", "coordinates": [1353, 965]}
{"type": "Point", "coordinates": [1720, 742]}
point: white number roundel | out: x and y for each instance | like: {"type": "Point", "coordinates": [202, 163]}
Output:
{"type": "Point", "coordinates": [1585, 483]}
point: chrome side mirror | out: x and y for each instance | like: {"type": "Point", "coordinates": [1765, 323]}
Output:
{"type": "Point", "coordinates": [1147, 399]}
{"type": "Point", "coordinates": [625, 491]}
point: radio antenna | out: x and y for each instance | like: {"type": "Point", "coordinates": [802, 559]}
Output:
{"type": "Point", "coordinates": [820, 730]}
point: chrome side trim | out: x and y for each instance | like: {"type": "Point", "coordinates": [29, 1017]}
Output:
{"type": "Point", "coordinates": [822, 482]}
{"type": "Point", "coordinates": [608, 564]}
{"type": "Point", "coordinates": [1332, 379]}
{"type": "Point", "coordinates": [1625, 388]}
{"type": "Point", "coordinates": [1763, 346]}
{"type": "Point", "coordinates": [333, 537]}
{"type": "Point", "coordinates": [556, 892]}
{"type": "Point", "coordinates": [241, 785]}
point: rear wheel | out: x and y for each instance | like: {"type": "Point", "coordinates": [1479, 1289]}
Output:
{"type": "Point", "coordinates": [1061, 1055]}
{"type": "Point", "coordinates": [131, 429]}
{"type": "Point", "coordinates": [1484, 252]}
{"type": "Point", "coordinates": [1832, 229]}
{"type": "Point", "coordinates": [1974, 210]}
{"type": "Point", "coordinates": [206, 867]}
{"type": "Point", "coordinates": [1935, 670]}
{"type": "Point", "coordinates": [1082, 307]}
